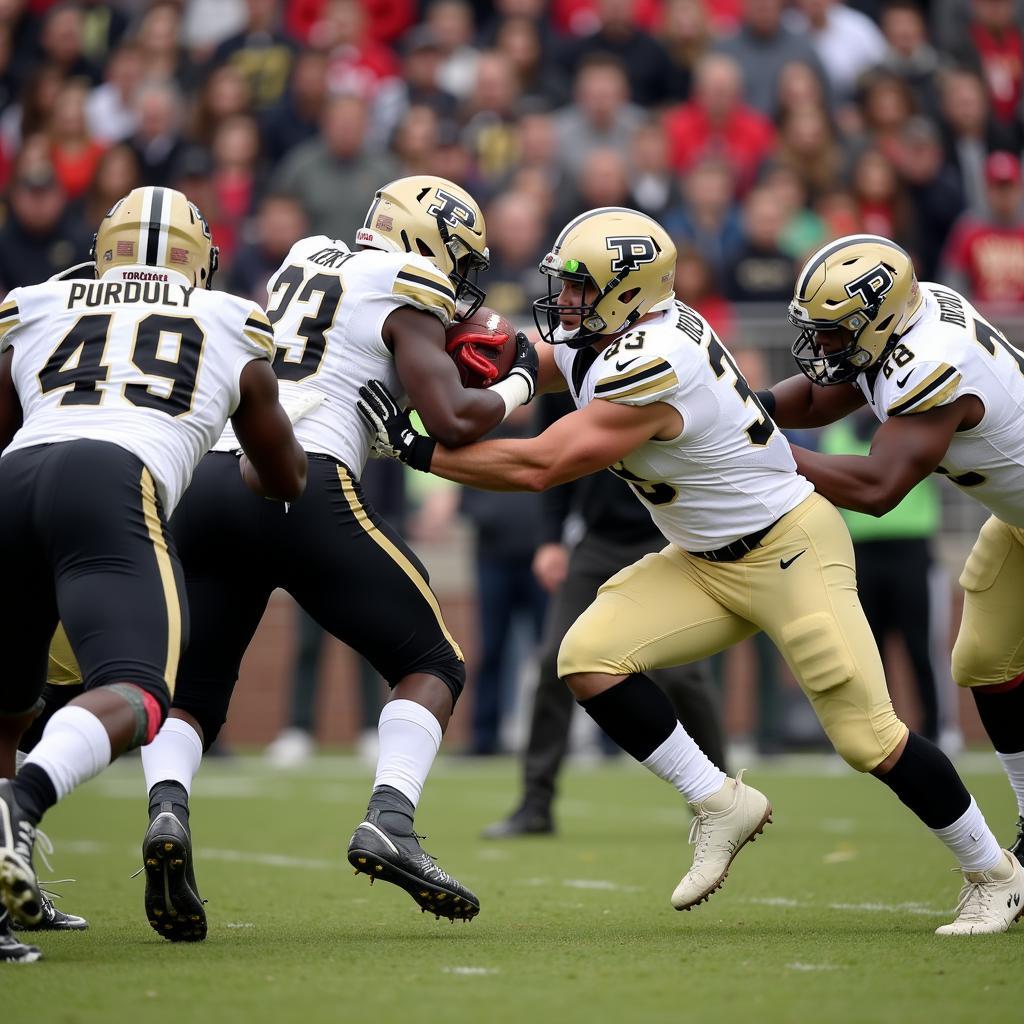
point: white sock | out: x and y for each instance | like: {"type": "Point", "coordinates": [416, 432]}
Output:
{"type": "Point", "coordinates": [682, 763]}
{"type": "Point", "coordinates": [173, 756]}
{"type": "Point", "coordinates": [971, 841]}
{"type": "Point", "coordinates": [409, 740]}
{"type": "Point", "coordinates": [74, 747]}
{"type": "Point", "coordinates": [19, 760]}
{"type": "Point", "coordinates": [1013, 764]}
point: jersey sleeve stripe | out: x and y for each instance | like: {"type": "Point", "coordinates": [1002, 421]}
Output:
{"type": "Point", "coordinates": [8, 311]}
{"type": "Point", "coordinates": [426, 282]}
{"type": "Point", "coordinates": [263, 326]}
{"type": "Point", "coordinates": [429, 299]}
{"type": "Point", "coordinates": [652, 368]}
{"type": "Point", "coordinates": [935, 381]}
{"type": "Point", "coordinates": [936, 398]}
{"type": "Point", "coordinates": [667, 382]}
{"type": "Point", "coordinates": [261, 341]}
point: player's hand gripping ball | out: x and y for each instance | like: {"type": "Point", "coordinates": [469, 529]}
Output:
{"type": "Point", "coordinates": [483, 347]}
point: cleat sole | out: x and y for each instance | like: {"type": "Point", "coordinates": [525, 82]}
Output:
{"type": "Point", "coordinates": [174, 910]}
{"type": "Point", "coordinates": [428, 897]}
{"type": "Point", "coordinates": [19, 891]}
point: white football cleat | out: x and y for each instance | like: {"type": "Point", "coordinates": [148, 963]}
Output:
{"type": "Point", "coordinates": [988, 905]}
{"type": "Point", "coordinates": [717, 836]}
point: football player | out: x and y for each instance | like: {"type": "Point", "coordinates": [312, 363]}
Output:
{"type": "Point", "coordinates": [110, 392]}
{"type": "Point", "coordinates": [751, 547]}
{"type": "Point", "coordinates": [948, 389]}
{"type": "Point", "coordinates": [340, 316]}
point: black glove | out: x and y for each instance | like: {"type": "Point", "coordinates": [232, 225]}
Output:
{"type": "Point", "coordinates": [527, 363]}
{"type": "Point", "coordinates": [391, 432]}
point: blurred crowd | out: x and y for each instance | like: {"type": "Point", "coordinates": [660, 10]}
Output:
{"type": "Point", "coordinates": [755, 130]}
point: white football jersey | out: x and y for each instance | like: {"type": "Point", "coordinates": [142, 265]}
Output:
{"type": "Point", "coordinates": [139, 358]}
{"type": "Point", "coordinates": [951, 350]}
{"type": "Point", "coordinates": [731, 471]}
{"type": "Point", "coordinates": [328, 306]}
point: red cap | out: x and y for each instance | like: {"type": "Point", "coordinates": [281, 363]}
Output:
{"type": "Point", "coordinates": [1002, 169]}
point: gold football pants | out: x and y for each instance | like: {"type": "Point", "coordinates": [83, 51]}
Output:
{"type": "Point", "coordinates": [798, 586]}
{"type": "Point", "coordinates": [989, 648]}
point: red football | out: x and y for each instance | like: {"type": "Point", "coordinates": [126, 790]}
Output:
{"type": "Point", "coordinates": [483, 347]}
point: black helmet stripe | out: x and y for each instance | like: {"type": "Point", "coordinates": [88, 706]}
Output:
{"type": "Point", "coordinates": [154, 226]}
{"type": "Point", "coordinates": [824, 254]}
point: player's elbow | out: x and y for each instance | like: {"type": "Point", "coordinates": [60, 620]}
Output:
{"type": "Point", "coordinates": [451, 430]}
{"type": "Point", "coordinates": [287, 481]}
{"type": "Point", "coordinates": [879, 501]}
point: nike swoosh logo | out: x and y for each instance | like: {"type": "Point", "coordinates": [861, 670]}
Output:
{"type": "Point", "coordinates": [629, 362]}
{"type": "Point", "coordinates": [901, 383]}
{"type": "Point", "coordinates": [785, 563]}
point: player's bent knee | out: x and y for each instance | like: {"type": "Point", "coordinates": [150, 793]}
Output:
{"type": "Point", "coordinates": [862, 738]}
{"type": "Point", "coordinates": [581, 653]}
{"type": "Point", "coordinates": [450, 670]}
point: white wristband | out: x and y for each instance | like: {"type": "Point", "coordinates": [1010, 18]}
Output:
{"type": "Point", "coordinates": [514, 391]}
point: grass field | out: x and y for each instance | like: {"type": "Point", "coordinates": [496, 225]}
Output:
{"type": "Point", "coordinates": [828, 918]}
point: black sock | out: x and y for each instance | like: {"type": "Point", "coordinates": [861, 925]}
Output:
{"type": "Point", "coordinates": [396, 809]}
{"type": "Point", "coordinates": [926, 781]}
{"type": "Point", "coordinates": [169, 796]}
{"type": "Point", "coordinates": [34, 792]}
{"type": "Point", "coordinates": [635, 713]}
{"type": "Point", "coordinates": [1002, 714]}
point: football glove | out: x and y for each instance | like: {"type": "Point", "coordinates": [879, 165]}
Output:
{"type": "Point", "coordinates": [392, 434]}
{"type": "Point", "coordinates": [526, 365]}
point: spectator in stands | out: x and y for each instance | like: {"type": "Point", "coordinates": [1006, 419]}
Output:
{"type": "Point", "coordinates": [103, 26]}
{"type": "Point", "coordinates": [802, 229]}
{"type": "Point", "coordinates": [117, 173]}
{"type": "Point", "coordinates": [539, 170]}
{"type": "Point", "coordinates": [332, 175]}
{"type": "Point", "coordinates": [540, 70]}
{"type": "Point", "coordinates": [762, 46]}
{"type": "Point", "coordinates": [159, 40]}
{"type": "Point", "coordinates": [489, 131]}
{"type": "Point", "coordinates": [759, 270]}
{"type": "Point", "coordinates": [110, 108]}
{"type": "Point", "coordinates": [993, 48]}
{"type": "Point", "coordinates": [42, 234]}
{"type": "Point", "coordinates": [261, 52]}
{"type": "Point", "coordinates": [686, 34]}
{"type": "Point", "coordinates": [969, 136]}
{"type": "Point", "coordinates": [415, 141]}
{"type": "Point", "coordinates": [846, 40]}
{"type": "Point", "coordinates": [74, 153]}
{"type": "Point", "coordinates": [909, 52]}
{"type": "Point", "coordinates": [809, 146]}
{"type": "Point", "coordinates": [61, 43]}
{"type": "Point", "coordinates": [356, 63]}
{"type": "Point", "coordinates": [516, 235]}
{"type": "Point", "coordinates": [451, 22]}
{"type": "Point", "coordinates": [295, 117]}
{"type": "Point", "coordinates": [279, 223]}
{"type": "Point", "coordinates": [601, 115]}
{"type": "Point", "coordinates": [224, 94]}
{"type": "Point", "coordinates": [646, 62]}
{"type": "Point", "coordinates": [237, 170]}
{"type": "Point", "coordinates": [933, 188]}
{"type": "Point", "coordinates": [985, 255]}
{"type": "Point", "coordinates": [695, 285]}
{"type": "Point", "coordinates": [886, 103]}
{"type": "Point", "coordinates": [799, 86]}
{"type": "Point", "coordinates": [158, 140]}
{"type": "Point", "coordinates": [839, 212]}
{"type": "Point", "coordinates": [602, 181]}
{"type": "Point", "coordinates": [707, 217]}
{"type": "Point", "coordinates": [881, 202]}
{"type": "Point", "coordinates": [32, 113]}
{"type": "Point", "coordinates": [654, 186]}
{"type": "Point", "coordinates": [716, 122]}
{"type": "Point", "coordinates": [419, 85]}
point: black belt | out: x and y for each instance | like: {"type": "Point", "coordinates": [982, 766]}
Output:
{"type": "Point", "coordinates": [736, 550]}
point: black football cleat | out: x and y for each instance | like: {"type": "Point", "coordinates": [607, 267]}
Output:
{"type": "Point", "coordinates": [1018, 844]}
{"type": "Point", "coordinates": [54, 920]}
{"type": "Point", "coordinates": [174, 908]}
{"type": "Point", "coordinates": [524, 821]}
{"type": "Point", "coordinates": [19, 887]}
{"type": "Point", "coordinates": [399, 859]}
{"type": "Point", "coordinates": [11, 950]}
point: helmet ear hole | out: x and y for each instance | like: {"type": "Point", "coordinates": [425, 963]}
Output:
{"type": "Point", "coordinates": [629, 295]}
{"type": "Point", "coordinates": [424, 249]}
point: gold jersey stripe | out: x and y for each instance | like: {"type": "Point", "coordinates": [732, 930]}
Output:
{"type": "Point", "coordinates": [426, 298]}
{"type": "Point", "coordinates": [9, 310]}
{"type": "Point", "coordinates": [632, 375]}
{"type": "Point", "coordinates": [936, 398]}
{"type": "Point", "coordinates": [427, 279]}
{"type": "Point", "coordinates": [395, 554]}
{"type": "Point", "coordinates": [666, 382]}
{"type": "Point", "coordinates": [259, 323]}
{"type": "Point", "coordinates": [170, 588]}
{"type": "Point", "coordinates": [934, 381]}
{"type": "Point", "coordinates": [261, 341]}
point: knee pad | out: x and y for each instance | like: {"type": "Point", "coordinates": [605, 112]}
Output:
{"type": "Point", "coordinates": [817, 652]}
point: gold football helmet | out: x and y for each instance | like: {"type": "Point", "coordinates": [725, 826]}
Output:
{"type": "Point", "coordinates": [437, 219]}
{"type": "Point", "coordinates": [156, 227]}
{"type": "Point", "coordinates": [864, 288]}
{"type": "Point", "coordinates": [628, 258]}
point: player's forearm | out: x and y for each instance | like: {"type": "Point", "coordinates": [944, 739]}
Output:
{"type": "Point", "coordinates": [470, 415]}
{"type": "Point", "coordinates": [857, 482]}
{"type": "Point", "coordinates": [505, 465]}
{"type": "Point", "coordinates": [799, 404]}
